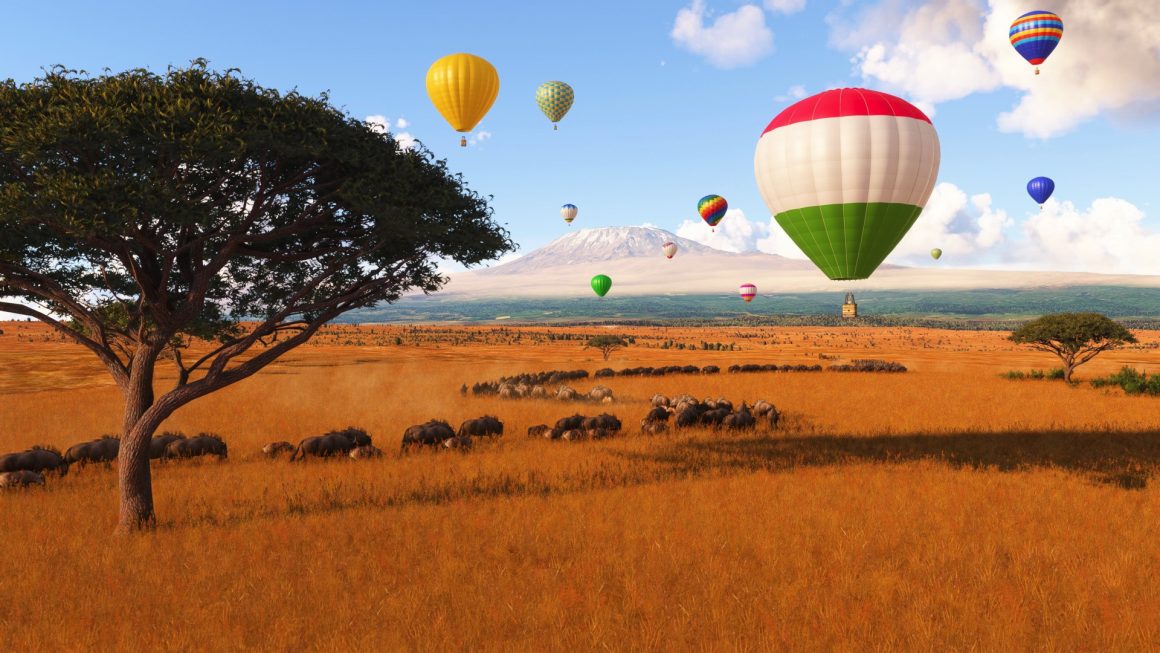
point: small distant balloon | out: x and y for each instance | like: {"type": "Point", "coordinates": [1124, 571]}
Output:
{"type": "Point", "coordinates": [936, 253]}
{"type": "Point", "coordinates": [601, 284]}
{"type": "Point", "coordinates": [568, 212]}
{"type": "Point", "coordinates": [748, 292]}
{"type": "Point", "coordinates": [670, 249]}
{"type": "Point", "coordinates": [554, 99]}
{"type": "Point", "coordinates": [712, 208]}
{"type": "Point", "coordinates": [1040, 189]}
{"type": "Point", "coordinates": [1035, 35]}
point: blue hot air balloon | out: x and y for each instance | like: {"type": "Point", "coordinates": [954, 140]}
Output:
{"type": "Point", "coordinates": [1040, 189]}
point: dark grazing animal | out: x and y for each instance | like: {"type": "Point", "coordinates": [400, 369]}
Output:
{"type": "Point", "coordinates": [202, 444]}
{"type": "Point", "coordinates": [602, 422]}
{"type": "Point", "coordinates": [37, 459]}
{"type": "Point", "coordinates": [21, 478]}
{"type": "Point", "coordinates": [365, 452]}
{"type": "Point", "coordinates": [431, 433]}
{"type": "Point", "coordinates": [567, 424]}
{"type": "Point", "coordinates": [742, 420]}
{"type": "Point", "coordinates": [332, 443]}
{"type": "Point", "coordinates": [488, 425]}
{"type": "Point", "coordinates": [539, 430]}
{"type": "Point", "coordinates": [103, 450]}
{"type": "Point", "coordinates": [714, 417]}
{"type": "Point", "coordinates": [275, 448]}
{"type": "Point", "coordinates": [160, 443]}
{"type": "Point", "coordinates": [658, 414]}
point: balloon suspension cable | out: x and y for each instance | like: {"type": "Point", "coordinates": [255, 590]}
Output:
{"type": "Point", "coordinates": [462, 141]}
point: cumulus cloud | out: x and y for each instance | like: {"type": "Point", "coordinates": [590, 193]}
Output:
{"type": "Point", "coordinates": [785, 6]}
{"type": "Point", "coordinates": [963, 227]}
{"type": "Point", "coordinates": [478, 137]}
{"type": "Point", "coordinates": [382, 125]}
{"type": "Point", "coordinates": [734, 39]}
{"type": "Point", "coordinates": [792, 94]}
{"type": "Point", "coordinates": [1109, 236]}
{"type": "Point", "coordinates": [737, 233]}
{"type": "Point", "coordinates": [938, 51]}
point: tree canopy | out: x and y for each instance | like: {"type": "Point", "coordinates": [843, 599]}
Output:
{"type": "Point", "coordinates": [1075, 337]}
{"type": "Point", "coordinates": [141, 210]}
{"type": "Point", "coordinates": [606, 344]}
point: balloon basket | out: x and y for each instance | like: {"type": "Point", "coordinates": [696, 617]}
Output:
{"type": "Point", "coordinates": [462, 141]}
{"type": "Point", "coordinates": [1037, 70]}
{"type": "Point", "coordinates": [555, 128]}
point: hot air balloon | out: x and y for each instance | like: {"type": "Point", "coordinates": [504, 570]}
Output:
{"type": "Point", "coordinates": [1040, 189]}
{"type": "Point", "coordinates": [846, 173]}
{"type": "Point", "coordinates": [712, 208]}
{"type": "Point", "coordinates": [601, 284]}
{"type": "Point", "coordinates": [554, 98]}
{"type": "Point", "coordinates": [568, 212]}
{"type": "Point", "coordinates": [748, 292]}
{"type": "Point", "coordinates": [462, 87]}
{"type": "Point", "coordinates": [1035, 35]}
{"type": "Point", "coordinates": [670, 249]}
{"type": "Point", "coordinates": [936, 253]}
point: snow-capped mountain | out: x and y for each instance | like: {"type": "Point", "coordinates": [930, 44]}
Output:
{"type": "Point", "coordinates": [633, 258]}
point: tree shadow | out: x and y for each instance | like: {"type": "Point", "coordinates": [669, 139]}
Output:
{"type": "Point", "coordinates": [1125, 459]}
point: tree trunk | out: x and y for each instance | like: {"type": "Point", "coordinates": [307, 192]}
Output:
{"type": "Point", "coordinates": [133, 460]}
{"type": "Point", "coordinates": [1068, 366]}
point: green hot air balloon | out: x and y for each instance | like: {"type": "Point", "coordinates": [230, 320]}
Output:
{"type": "Point", "coordinates": [936, 253]}
{"type": "Point", "coordinates": [601, 284]}
{"type": "Point", "coordinates": [554, 99]}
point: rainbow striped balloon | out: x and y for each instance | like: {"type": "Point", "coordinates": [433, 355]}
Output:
{"type": "Point", "coordinates": [846, 173]}
{"type": "Point", "coordinates": [1035, 35]}
{"type": "Point", "coordinates": [712, 208]}
{"type": "Point", "coordinates": [748, 292]}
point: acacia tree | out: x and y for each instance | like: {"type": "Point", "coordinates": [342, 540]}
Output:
{"type": "Point", "coordinates": [606, 344]}
{"type": "Point", "coordinates": [140, 210]}
{"type": "Point", "coordinates": [1075, 337]}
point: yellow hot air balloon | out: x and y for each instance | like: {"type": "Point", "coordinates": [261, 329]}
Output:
{"type": "Point", "coordinates": [462, 87]}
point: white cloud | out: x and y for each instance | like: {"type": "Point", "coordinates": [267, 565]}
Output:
{"type": "Point", "coordinates": [734, 39]}
{"type": "Point", "coordinates": [941, 51]}
{"type": "Point", "coordinates": [962, 227]}
{"type": "Point", "coordinates": [1109, 236]}
{"type": "Point", "coordinates": [793, 93]}
{"type": "Point", "coordinates": [478, 137]}
{"type": "Point", "coordinates": [785, 6]}
{"type": "Point", "coordinates": [382, 125]}
{"type": "Point", "coordinates": [737, 233]}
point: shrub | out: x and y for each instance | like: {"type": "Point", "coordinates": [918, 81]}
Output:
{"type": "Point", "coordinates": [1132, 381]}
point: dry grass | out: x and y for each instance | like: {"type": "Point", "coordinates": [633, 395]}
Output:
{"type": "Point", "coordinates": [945, 508]}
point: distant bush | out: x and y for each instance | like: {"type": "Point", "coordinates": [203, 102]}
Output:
{"type": "Point", "coordinates": [1054, 374]}
{"type": "Point", "coordinates": [868, 365]}
{"type": "Point", "coordinates": [1015, 375]}
{"type": "Point", "coordinates": [1132, 381]}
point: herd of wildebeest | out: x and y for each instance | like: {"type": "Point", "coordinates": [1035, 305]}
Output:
{"type": "Point", "coordinates": [29, 467]}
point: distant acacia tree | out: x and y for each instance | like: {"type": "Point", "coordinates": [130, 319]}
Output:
{"type": "Point", "coordinates": [138, 211]}
{"type": "Point", "coordinates": [606, 344]}
{"type": "Point", "coordinates": [1075, 337]}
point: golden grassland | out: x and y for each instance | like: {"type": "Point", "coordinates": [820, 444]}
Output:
{"type": "Point", "coordinates": [945, 508]}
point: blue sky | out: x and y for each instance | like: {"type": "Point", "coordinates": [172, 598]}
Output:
{"type": "Point", "coordinates": [672, 96]}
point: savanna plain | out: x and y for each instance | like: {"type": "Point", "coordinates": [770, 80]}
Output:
{"type": "Point", "coordinates": [944, 508]}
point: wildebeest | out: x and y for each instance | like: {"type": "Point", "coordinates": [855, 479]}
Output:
{"type": "Point", "coordinates": [574, 435]}
{"type": "Point", "coordinates": [658, 414]}
{"type": "Point", "coordinates": [461, 442]}
{"type": "Point", "coordinates": [160, 443]}
{"type": "Point", "coordinates": [202, 444]}
{"type": "Point", "coordinates": [564, 393]}
{"type": "Point", "coordinates": [740, 420]}
{"type": "Point", "coordinates": [366, 451]}
{"type": "Point", "coordinates": [653, 427]}
{"type": "Point", "coordinates": [566, 424]}
{"type": "Point", "coordinates": [659, 400]}
{"type": "Point", "coordinates": [488, 425]}
{"type": "Point", "coordinates": [275, 448]}
{"type": "Point", "coordinates": [431, 433]}
{"type": "Point", "coordinates": [599, 393]}
{"type": "Point", "coordinates": [333, 443]}
{"type": "Point", "coordinates": [603, 421]}
{"type": "Point", "coordinates": [714, 417]}
{"type": "Point", "coordinates": [21, 478]}
{"type": "Point", "coordinates": [37, 459]}
{"type": "Point", "coordinates": [761, 407]}
{"type": "Point", "coordinates": [539, 430]}
{"type": "Point", "coordinates": [103, 450]}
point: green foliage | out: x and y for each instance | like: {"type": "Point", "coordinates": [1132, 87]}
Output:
{"type": "Point", "coordinates": [1072, 332]}
{"type": "Point", "coordinates": [1132, 381]}
{"type": "Point", "coordinates": [1015, 375]}
{"type": "Point", "coordinates": [1055, 374]}
{"type": "Point", "coordinates": [606, 344]}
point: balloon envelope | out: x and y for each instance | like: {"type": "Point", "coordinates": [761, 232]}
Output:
{"type": "Point", "coordinates": [1040, 189]}
{"type": "Point", "coordinates": [670, 249]}
{"type": "Point", "coordinates": [712, 208]}
{"type": "Point", "coordinates": [1035, 35]}
{"type": "Point", "coordinates": [568, 212]}
{"type": "Point", "coordinates": [748, 292]}
{"type": "Point", "coordinates": [554, 99]}
{"type": "Point", "coordinates": [601, 284]}
{"type": "Point", "coordinates": [462, 87]}
{"type": "Point", "coordinates": [846, 173]}
{"type": "Point", "coordinates": [936, 253]}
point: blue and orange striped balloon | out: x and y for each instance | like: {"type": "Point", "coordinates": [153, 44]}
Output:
{"type": "Point", "coordinates": [1035, 35]}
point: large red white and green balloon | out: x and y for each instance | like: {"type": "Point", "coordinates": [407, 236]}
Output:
{"type": "Point", "coordinates": [846, 173]}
